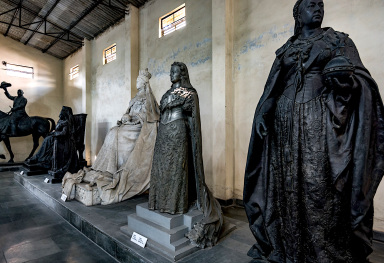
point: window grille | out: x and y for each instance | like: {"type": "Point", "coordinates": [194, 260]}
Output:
{"type": "Point", "coordinates": [74, 72]}
{"type": "Point", "coordinates": [18, 70]}
{"type": "Point", "coordinates": [109, 54]}
{"type": "Point", "coordinates": [172, 21]}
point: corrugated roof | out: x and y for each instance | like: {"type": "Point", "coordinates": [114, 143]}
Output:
{"type": "Point", "coordinates": [58, 27]}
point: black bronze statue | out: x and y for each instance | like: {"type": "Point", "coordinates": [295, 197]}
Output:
{"type": "Point", "coordinates": [58, 152]}
{"type": "Point", "coordinates": [177, 177]}
{"type": "Point", "coordinates": [17, 123]}
{"type": "Point", "coordinates": [316, 154]}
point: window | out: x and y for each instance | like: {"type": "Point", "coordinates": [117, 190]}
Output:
{"type": "Point", "coordinates": [172, 21]}
{"type": "Point", "coordinates": [109, 54]}
{"type": "Point", "coordinates": [18, 70]}
{"type": "Point", "coordinates": [74, 72]}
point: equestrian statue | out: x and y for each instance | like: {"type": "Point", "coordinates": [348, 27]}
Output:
{"type": "Point", "coordinates": [17, 123]}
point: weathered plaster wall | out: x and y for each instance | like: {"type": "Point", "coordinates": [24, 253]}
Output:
{"type": "Point", "coordinates": [44, 92]}
{"type": "Point", "coordinates": [73, 89]}
{"type": "Point", "coordinates": [109, 89]}
{"type": "Point", "coordinates": [262, 27]}
{"type": "Point", "coordinates": [191, 45]}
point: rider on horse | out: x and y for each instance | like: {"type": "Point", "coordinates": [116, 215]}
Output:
{"type": "Point", "coordinates": [17, 112]}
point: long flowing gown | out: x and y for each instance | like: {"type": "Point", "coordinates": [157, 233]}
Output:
{"type": "Point", "coordinates": [60, 143]}
{"type": "Point", "coordinates": [123, 165]}
{"type": "Point", "coordinates": [177, 178]}
{"type": "Point", "coordinates": [309, 185]}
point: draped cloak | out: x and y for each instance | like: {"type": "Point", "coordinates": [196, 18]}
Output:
{"type": "Point", "coordinates": [355, 142]}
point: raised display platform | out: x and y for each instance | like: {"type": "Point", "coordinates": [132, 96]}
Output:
{"type": "Point", "coordinates": [6, 167]}
{"type": "Point", "coordinates": [102, 225]}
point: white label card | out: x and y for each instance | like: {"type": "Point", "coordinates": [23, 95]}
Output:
{"type": "Point", "coordinates": [64, 197]}
{"type": "Point", "coordinates": [22, 172]}
{"type": "Point", "coordinates": [139, 239]}
{"type": "Point", "coordinates": [46, 180]}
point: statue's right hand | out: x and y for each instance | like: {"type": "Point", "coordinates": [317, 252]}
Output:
{"type": "Point", "coordinates": [261, 127]}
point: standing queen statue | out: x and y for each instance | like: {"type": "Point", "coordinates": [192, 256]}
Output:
{"type": "Point", "coordinates": [316, 154]}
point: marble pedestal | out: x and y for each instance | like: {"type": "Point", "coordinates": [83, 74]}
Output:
{"type": "Point", "coordinates": [85, 195]}
{"type": "Point", "coordinates": [165, 232]}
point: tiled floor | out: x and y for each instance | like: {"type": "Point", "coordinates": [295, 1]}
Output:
{"type": "Point", "coordinates": [31, 232]}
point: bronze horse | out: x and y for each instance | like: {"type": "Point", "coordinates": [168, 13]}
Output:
{"type": "Point", "coordinates": [35, 126]}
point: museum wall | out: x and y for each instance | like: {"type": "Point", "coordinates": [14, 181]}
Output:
{"type": "Point", "coordinates": [73, 89]}
{"type": "Point", "coordinates": [44, 92]}
{"type": "Point", "coordinates": [191, 45]}
{"type": "Point", "coordinates": [110, 92]}
{"type": "Point", "coordinates": [262, 27]}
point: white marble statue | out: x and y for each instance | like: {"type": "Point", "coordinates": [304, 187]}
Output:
{"type": "Point", "coordinates": [123, 165]}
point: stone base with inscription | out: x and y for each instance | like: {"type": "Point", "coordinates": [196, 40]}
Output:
{"type": "Point", "coordinates": [165, 232]}
{"type": "Point", "coordinates": [85, 195]}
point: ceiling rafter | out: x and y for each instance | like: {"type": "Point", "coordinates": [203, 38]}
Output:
{"type": "Point", "coordinates": [41, 17]}
{"type": "Point", "coordinates": [44, 20]}
{"type": "Point", "coordinates": [59, 27]}
{"type": "Point", "coordinates": [74, 23]}
{"type": "Point", "coordinates": [17, 11]}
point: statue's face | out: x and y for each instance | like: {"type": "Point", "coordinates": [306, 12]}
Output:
{"type": "Point", "coordinates": [312, 13]}
{"type": "Point", "coordinates": [175, 74]}
{"type": "Point", "coordinates": [20, 92]}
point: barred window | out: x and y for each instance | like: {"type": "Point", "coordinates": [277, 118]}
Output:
{"type": "Point", "coordinates": [109, 54]}
{"type": "Point", "coordinates": [172, 21]}
{"type": "Point", "coordinates": [74, 72]}
{"type": "Point", "coordinates": [18, 70]}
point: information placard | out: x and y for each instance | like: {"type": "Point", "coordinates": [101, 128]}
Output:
{"type": "Point", "coordinates": [64, 197]}
{"type": "Point", "coordinates": [139, 239]}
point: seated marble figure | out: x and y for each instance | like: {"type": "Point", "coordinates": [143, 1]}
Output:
{"type": "Point", "coordinates": [123, 165]}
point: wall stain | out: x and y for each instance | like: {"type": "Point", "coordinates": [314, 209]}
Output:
{"type": "Point", "coordinates": [192, 55]}
{"type": "Point", "coordinates": [274, 34]}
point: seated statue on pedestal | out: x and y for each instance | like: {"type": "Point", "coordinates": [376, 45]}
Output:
{"type": "Point", "coordinates": [123, 165]}
{"type": "Point", "coordinates": [177, 178]}
{"type": "Point", "coordinates": [58, 152]}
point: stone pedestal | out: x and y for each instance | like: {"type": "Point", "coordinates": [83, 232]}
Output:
{"type": "Point", "coordinates": [165, 232]}
{"type": "Point", "coordinates": [57, 176]}
{"type": "Point", "coordinates": [86, 196]}
{"type": "Point", "coordinates": [33, 169]}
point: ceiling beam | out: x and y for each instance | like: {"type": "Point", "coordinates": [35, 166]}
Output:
{"type": "Point", "coordinates": [42, 21]}
{"type": "Point", "coordinates": [78, 42]}
{"type": "Point", "coordinates": [39, 16]}
{"type": "Point", "coordinates": [8, 11]}
{"type": "Point", "coordinates": [17, 11]}
{"type": "Point", "coordinates": [88, 10]}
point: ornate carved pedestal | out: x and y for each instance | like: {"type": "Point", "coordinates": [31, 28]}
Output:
{"type": "Point", "coordinates": [85, 196]}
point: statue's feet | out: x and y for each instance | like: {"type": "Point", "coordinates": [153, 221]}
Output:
{"type": "Point", "coordinates": [2, 156]}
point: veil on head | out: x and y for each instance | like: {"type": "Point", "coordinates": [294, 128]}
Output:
{"type": "Point", "coordinates": [296, 11]}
